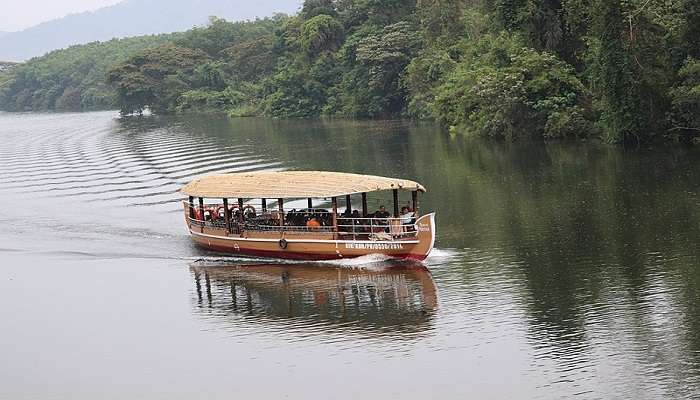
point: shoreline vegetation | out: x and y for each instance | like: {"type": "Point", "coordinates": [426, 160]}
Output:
{"type": "Point", "coordinates": [620, 71]}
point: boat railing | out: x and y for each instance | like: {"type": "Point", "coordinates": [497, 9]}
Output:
{"type": "Point", "coordinates": [377, 228]}
{"type": "Point", "coordinates": [295, 221]}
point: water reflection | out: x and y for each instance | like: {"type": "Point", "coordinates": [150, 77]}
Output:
{"type": "Point", "coordinates": [384, 298]}
{"type": "Point", "coordinates": [567, 262]}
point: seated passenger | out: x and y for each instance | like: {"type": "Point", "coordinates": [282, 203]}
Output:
{"type": "Point", "coordinates": [313, 223]}
{"type": "Point", "coordinates": [406, 216]}
{"type": "Point", "coordinates": [325, 218]}
{"type": "Point", "coordinates": [382, 213]}
{"type": "Point", "coordinates": [249, 213]}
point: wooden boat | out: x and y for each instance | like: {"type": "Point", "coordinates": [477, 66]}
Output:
{"type": "Point", "coordinates": [285, 215]}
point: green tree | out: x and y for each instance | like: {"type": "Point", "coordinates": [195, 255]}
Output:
{"type": "Point", "coordinates": [441, 17]}
{"type": "Point", "coordinates": [505, 90]}
{"type": "Point", "coordinates": [155, 78]}
{"type": "Point", "coordinates": [313, 8]}
{"type": "Point", "coordinates": [612, 74]}
{"type": "Point", "coordinates": [251, 60]}
{"type": "Point", "coordinates": [293, 94]}
{"type": "Point", "coordinates": [78, 71]}
{"type": "Point", "coordinates": [424, 74]}
{"type": "Point", "coordinates": [686, 102]}
{"type": "Point", "coordinates": [321, 33]}
{"type": "Point", "coordinates": [221, 34]}
{"type": "Point", "coordinates": [374, 87]}
{"type": "Point", "coordinates": [690, 29]}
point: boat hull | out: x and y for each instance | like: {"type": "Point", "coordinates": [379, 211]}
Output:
{"type": "Point", "coordinates": [314, 246]}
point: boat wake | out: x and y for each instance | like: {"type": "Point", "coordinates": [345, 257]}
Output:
{"type": "Point", "coordinates": [374, 262]}
{"type": "Point", "coordinates": [441, 255]}
{"type": "Point", "coordinates": [370, 261]}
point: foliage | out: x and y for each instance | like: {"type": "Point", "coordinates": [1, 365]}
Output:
{"type": "Point", "coordinates": [313, 8]}
{"type": "Point", "coordinates": [251, 60]}
{"type": "Point", "coordinates": [71, 79]}
{"type": "Point", "coordinates": [293, 94]}
{"type": "Point", "coordinates": [622, 70]}
{"type": "Point", "coordinates": [374, 86]}
{"type": "Point", "coordinates": [221, 34]}
{"type": "Point", "coordinates": [686, 100]}
{"type": "Point", "coordinates": [205, 100]}
{"type": "Point", "coordinates": [321, 33]}
{"type": "Point", "coordinates": [155, 78]}
{"type": "Point", "coordinates": [503, 89]}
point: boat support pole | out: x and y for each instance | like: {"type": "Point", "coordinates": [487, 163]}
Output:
{"type": "Point", "coordinates": [240, 211]}
{"type": "Point", "coordinates": [335, 215]}
{"type": "Point", "coordinates": [227, 216]}
{"type": "Point", "coordinates": [280, 202]}
{"type": "Point", "coordinates": [396, 203]}
{"type": "Point", "coordinates": [414, 198]}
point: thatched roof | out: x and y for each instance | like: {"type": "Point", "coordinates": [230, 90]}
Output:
{"type": "Point", "coordinates": [292, 184]}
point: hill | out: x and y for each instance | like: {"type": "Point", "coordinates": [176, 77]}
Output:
{"type": "Point", "coordinates": [131, 18]}
{"type": "Point", "coordinates": [69, 79]}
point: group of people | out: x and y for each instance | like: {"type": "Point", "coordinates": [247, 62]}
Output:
{"type": "Point", "coordinates": [374, 222]}
{"type": "Point", "coordinates": [378, 221]}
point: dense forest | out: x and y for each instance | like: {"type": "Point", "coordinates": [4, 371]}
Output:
{"type": "Point", "coordinates": [619, 70]}
{"type": "Point", "coordinates": [72, 79]}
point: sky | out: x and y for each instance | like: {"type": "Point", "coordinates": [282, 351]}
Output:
{"type": "Point", "coordinates": [21, 14]}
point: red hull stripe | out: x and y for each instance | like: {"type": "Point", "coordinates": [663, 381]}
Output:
{"type": "Point", "coordinates": [299, 256]}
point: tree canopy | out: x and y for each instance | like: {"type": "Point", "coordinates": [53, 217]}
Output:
{"type": "Point", "coordinates": [623, 71]}
{"type": "Point", "coordinates": [72, 79]}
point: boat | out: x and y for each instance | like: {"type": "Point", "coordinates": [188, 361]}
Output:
{"type": "Point", "coordinates": [295, 215]}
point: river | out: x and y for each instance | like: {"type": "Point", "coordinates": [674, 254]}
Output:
{"type": "Point", "coordinates": [561, 270]}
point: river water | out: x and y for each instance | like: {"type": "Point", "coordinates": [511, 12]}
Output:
{"type": "Point", "coordinates": [561, 270]}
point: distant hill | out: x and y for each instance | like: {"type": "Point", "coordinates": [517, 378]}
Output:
{"type": "Point", "coordinates": [131, 18]}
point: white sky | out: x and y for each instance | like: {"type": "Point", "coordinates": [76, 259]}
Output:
{"type": "Point", "coordinates": [20, 14]}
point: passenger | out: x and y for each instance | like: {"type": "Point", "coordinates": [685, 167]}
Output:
{"type": "Point", "coordinates": [382, 213]}
{"type": "Point", "coordinates": [366, 222]}
{"type": "Point", "coordinates": [379, 221]}
{"type": "Point", "coordinates": [313, 223]}
{"type": "Point", "coordinates": [350, 222]}
{"type": "Point", "coordinates": [344, 220]}
{"type": "Point", "coordinates": [325, 218]}
{"type": "Point", "coordinates": [406, 216]}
